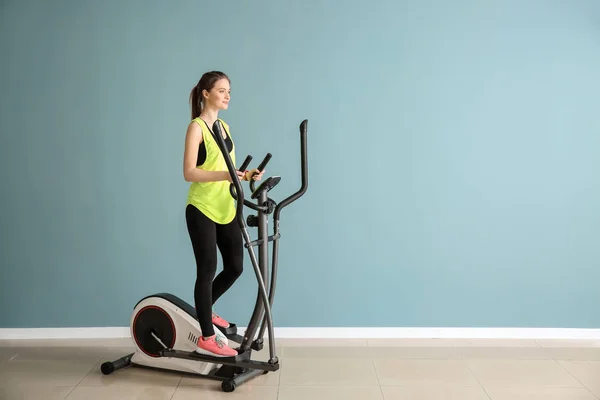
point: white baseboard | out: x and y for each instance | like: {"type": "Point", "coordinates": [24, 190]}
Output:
{"type": "Point", "coordinates": [64, 333]}
{"type": "Point", "coordinates": [436, 333]}
{"type": "Point", "coordinates": [328, 333]}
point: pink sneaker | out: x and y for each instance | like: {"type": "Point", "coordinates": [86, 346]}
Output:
{"type": "Point", "coordinates": [219, 321]}
{"type": "Point", "coordinates": [213, 346]}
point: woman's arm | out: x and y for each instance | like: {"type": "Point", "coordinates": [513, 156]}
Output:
{"type": "Point", "coordinates": [191, 173]}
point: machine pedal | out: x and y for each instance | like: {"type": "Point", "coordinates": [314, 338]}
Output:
{"type": "Point", "coordinates": [230, 330]}
{"type": "Point", "coordinates": [231, 333]}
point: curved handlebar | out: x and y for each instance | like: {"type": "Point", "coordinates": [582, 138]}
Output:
{"type": "Point", "coordinates": [304, 171]}
{"type": "Point", "coordinates": [236, 189]}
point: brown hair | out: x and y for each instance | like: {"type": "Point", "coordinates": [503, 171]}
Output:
{"type": "Point", "coordinates": [206, 82]}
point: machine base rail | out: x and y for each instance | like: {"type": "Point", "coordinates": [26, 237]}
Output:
{"type": "Point", "coordinates": [231, 376]}
{"type": "Point", "coordinates": [229, 385]}
{"type": "Point", "coordinates": [241, 360]}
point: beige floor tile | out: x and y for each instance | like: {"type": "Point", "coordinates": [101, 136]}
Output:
{"type": "Point", "coordinates": [328, 352]}
{"type": "Point", "coordinates": [245, 392]}
{"type": "Point", "coordinates": [503, 352]}
{"type": "Point", "coordinates": [137, 392]}
{"type": "Point", "coordinates": [328, 372]}
{"type": "Point", "coordinates": [395, 352]}
{"type": "Point", "coordinates": [434, 392]}
{"type": "Point", "coordinates": [586, 372]}
{"type": "Point", "coordinates": [516, 343]}
{"type": "Point", "coordinates": [45, 343]}
{"type": "Point", "coordinates": [416, 369]}
{"type": "Point", "coordinates": [581, 343]}
{"type": "Point", "coordinates": [210, 384]}
{"type": "Point", "coordinates": [74, 353]}
{"type": "Point", "coordinates": [574, 353]}
{"type": "Point", "coordinates": [418, 352]}
{"type": "Point", "coordinates": [407, 342]}
{"type": "Point", "coordinates": [330, 393]}
{"type": "Point", "coordinates": [43, 373]}
{"type": "Point", "coordinates": [395, 372]}
{"type": "Point", "coordinates": [320, 342]}
{"type": "Point", "coordinates": [542, 373]}
{"type": "Point", "coordinates": [131, 376]}
{"type": "Point", "coordinates": [7, 353]}
{"type": "Point", "coordinates": [594, 388]}
{"type": "Point", "coordinates": [32, 391]}
{"type": "Point", "coordinates": [538, 393]}
{"type": "Point", "coordinates": [48, 342]}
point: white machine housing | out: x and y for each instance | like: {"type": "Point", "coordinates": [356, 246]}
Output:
{"type": "Point", "coordinates": [187, 332]}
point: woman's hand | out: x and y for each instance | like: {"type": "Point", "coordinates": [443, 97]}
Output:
{"type": "Point", "coordinates": [257, 175]}
{"type": "Point", "coordinates": [245, 176]}
{"type": "Point", "coordinates": [240, 174]}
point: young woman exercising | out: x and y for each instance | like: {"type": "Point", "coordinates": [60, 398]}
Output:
{"type": "Point", "coordinates": [210, 209]}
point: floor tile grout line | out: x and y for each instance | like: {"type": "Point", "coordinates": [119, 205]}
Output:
{"type": "Point", "coordinates": [176, 387]}
{"type": "Point", "coordinates": [85, 376]}
{"type": "Point", "coordinates": [70, 391]}
{"type": "Point", "coordinates": [377, 377]}
{"type": "Point", "coordinates": [558, 361]}
{"type": "Point", "coordinates": [98, 360]}
{"type": "Point", "coordinates": [477, 379]}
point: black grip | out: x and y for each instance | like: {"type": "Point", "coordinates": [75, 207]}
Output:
{"type": "Point", "coordinates": [303, 127]}
{"type": "Point", "coordinates": [264, 162]}
{"type": "Point", "coordinates": [246, 163]}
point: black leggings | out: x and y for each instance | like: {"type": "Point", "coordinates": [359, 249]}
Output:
{"type": "Point", "coordinates": [206, 235]}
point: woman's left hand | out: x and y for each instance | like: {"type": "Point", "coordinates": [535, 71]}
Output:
{"type": "Point", "coordinates": [257, 174]}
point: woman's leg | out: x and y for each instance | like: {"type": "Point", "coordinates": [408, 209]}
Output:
{"type": "Point", "coordinates": [204, 242]}
{"type": "Point", "coordinates": [231, 246]}
{"type": "Point", "coordinates": [230, 243]}
{"type": "Point", "coordinates": [203, 235]}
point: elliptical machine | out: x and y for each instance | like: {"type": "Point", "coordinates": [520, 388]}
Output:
{"type": "Point", "coordinates": [165, 328]}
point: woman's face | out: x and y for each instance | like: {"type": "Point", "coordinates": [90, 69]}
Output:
{"type": "Point", "coordinates": [219, 95]}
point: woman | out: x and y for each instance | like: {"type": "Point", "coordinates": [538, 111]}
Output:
{"type": "Point", "coordinates": [210, 209]}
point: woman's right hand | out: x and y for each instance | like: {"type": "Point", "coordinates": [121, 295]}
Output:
{"type": "Point", "coordinates": [240, 174]}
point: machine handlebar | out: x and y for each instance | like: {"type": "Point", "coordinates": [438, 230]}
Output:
{"type": "Point", "coordinates": [304, 172]}
{"type": "Point", "coordinates": [264, 162]}
{"type": "Point", "coordinates": [246, 163]}
{"type": "Point", "coordinates": [260, 168]}
{"type": "Point", "coordinates": [236, 186]}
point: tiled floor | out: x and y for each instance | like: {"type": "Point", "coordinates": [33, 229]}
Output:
{"type": "Point", "coordinates": [320, 369]}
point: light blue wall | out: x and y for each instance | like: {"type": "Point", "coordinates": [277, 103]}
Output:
{"type": "Point", "coordinates": [453, 154]}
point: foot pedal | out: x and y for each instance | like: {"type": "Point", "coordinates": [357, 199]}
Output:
{"type": "Point", "coordinates": [231, 333]}
{"type": "Point", "coordinates": [230, 330]}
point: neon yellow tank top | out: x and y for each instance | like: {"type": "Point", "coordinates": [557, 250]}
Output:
{"type": "Point", "coordinates": [213, 199]}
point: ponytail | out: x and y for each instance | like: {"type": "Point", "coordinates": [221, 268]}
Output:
{"type": "Point", "coordinates": [196, 100]}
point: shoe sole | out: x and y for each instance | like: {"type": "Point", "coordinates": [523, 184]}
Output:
{"type": "Point", "coordinates": [210, 353]}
